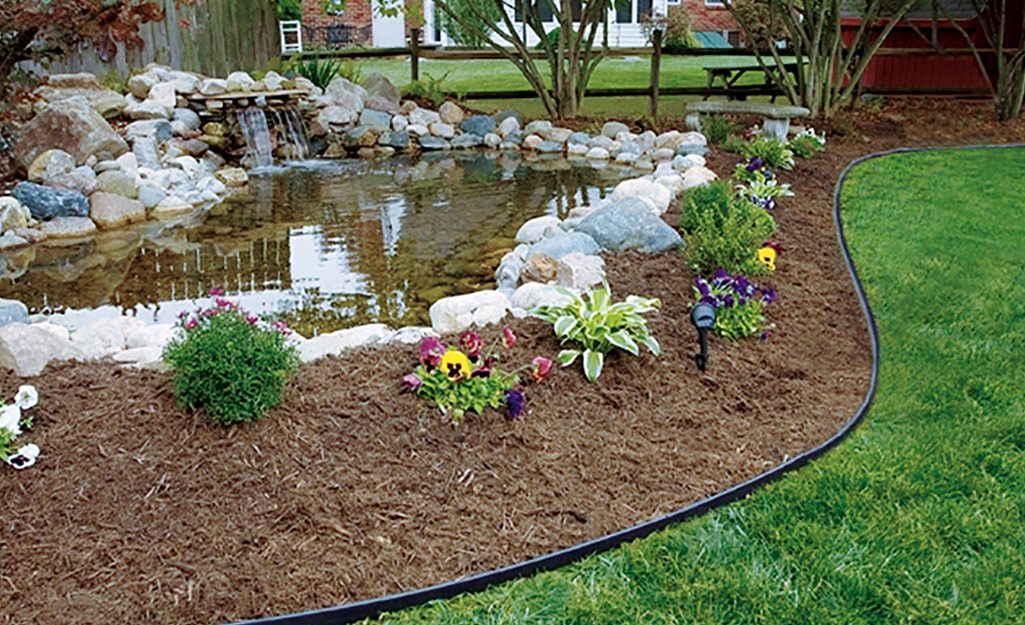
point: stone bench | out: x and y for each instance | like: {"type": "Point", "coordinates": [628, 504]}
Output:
{"type": "Point", "coordinates": [777, 116]}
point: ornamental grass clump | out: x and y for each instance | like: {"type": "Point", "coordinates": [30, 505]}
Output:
{"type": "Point", "coordinates": [231, 364]}
{"type": "Point", "coordinates": [469, 378]}
{"type": "Point", "coordinates": [721, 229]}
{"type": "Point", "coordinates": [739, 304]}
{"type": "Point", "coordinates": [599, 326]}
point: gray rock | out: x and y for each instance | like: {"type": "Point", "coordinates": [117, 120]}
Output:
{"type": "Point", "coordinates": [479, 125]}
{"type": "Point", "coordinates": [692, 148]}
{"type": "Point", "coordinates": [492, 140]}
{"type": "Point", "coordinates": [399, 123]}
{"type": "Point", "coordinates": [537, 126]}
{"type": "Point", "coordinates": [47, 203]}
{"type": "Point", "coordinates": [566, 243]}
{"type": "Point", "coordinates": [424, 117]}
{"type": "Point", "coordinates": [68, 228]}
{"type": "Point", "coordinates": [508, 126]}
{"type": "Point", "coordinates": [49, 165]}
{"type": "Point", "coordinates": [601, 141]}
{"type": "Point", "coordinates": [379, 86]}
{"type": "Point", "coordinates": [443, 130]}
{"type": "Point", "coordinates": [106, 102]}
{"type": "Point", "coordinates": [359, 136]}
{"type": "Point", "coordinates": [339, 115]}
{"type": "Point", "coordinates": [630, 146]}
{"type": "Point", "coordinates": [579, 137]}
{"type": "Point", "coordinates": [515, 137]}
{"type": "Point", "coordinates": [103, 166]}
{"type": "Point", "coordinates": [597, 153]}
{"type": "Point", "coordinates": [611, 129]}
{"type": "Point", "coordinates": [111, 211]}
{"type": "Point", "coordinates": [397, 140]}
{"type": "Point", "coordinates": [140, 84]}
{"type": "Point", "coordinates": [73, 126]}
{"type": "Point", "coordinates": [81, 179]}
{"type": "Point", "coordinates": [538, 228]}
{"type": "Point", "coordinates": [13, 214]}
{"type": "Point", "coordinates": [159, 129]}
{"type": "Point", "coordinates": [629, 224]}
{"type": "Point", "coordinates": [188, 117]}
{"type": "Point", "coordinates": [12, 311]}
{"type": "Point", "coordinates": [558, 135]}
{"type": "Point", "coordinates": [377, 103]}
{"type": "Point", "coordinates": [503, 115]}
{"type": "Point", "coordinates": [376, 120]}
{"type": "Point", "coordinates": [451, 113]}
{"type": "Point", "coordinates": [118, 183]}
{"type": "Point", "coordinates": [682, 163]}
{"type": "Point", "coordinates": [430, 142]}
{"type": "Point", "coordinates": [149, 109]}
{"type": "Point", "coordinates": [549, 147]}
{"type": "Point", "coordinates": [467, 141]}
{"type": "Point", "coordinates": [27, 349]}
{"type": "Point", "coordinates": [150, 195]}
{"type": "Point", "coordinates": [578, 271]}
{"type": "Point", "coordinates": [145, 151]}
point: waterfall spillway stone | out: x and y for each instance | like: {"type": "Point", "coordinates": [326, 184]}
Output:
{"type": "Point", "coordinates": [290, 123]}
{"type": "Point", "coordinates": [253, 123]}
{"type": "Point", "coordinates": [256, 124]}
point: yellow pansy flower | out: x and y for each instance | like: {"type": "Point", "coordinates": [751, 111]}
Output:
{"type": "Point", "coordinates": [767, 257]}
{"type": "Point", "coordinates": [456, 365]}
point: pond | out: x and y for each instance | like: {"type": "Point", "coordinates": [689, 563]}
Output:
{"type": "Point", "coordinates": [322, 245]}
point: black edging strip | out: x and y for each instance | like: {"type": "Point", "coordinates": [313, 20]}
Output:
{"type": "Point", "coordinates": [351, 612]}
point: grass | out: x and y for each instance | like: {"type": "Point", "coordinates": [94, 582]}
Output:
{"type": "Point", "coordinates": [919, 516]}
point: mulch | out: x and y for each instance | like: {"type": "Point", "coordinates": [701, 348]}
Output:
{"type": "Point", "coordinates": [140, 512]}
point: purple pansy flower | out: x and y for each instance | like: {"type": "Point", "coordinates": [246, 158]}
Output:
{"type": "Point", "coordinates": [412, 381]}
{"type": "Point", "coordinates": [431, 351]}
{"type": "Point", "coordinates": [755, 163]}
{"type": "Point", "coordinates": [768, 295]}
{"type": "Point", "coordinates": [702, 286]}
{"type": "Point", "coordinates": [514, 401]}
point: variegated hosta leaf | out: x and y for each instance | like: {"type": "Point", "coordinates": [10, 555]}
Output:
{"type": "Point", "coordinates": [567, 356]}
{"type": "Point", "coordinates": [593, 362]}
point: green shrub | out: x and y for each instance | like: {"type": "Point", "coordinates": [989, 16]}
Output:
{"type": "Point", "coordinates": [599, 326]}
{"type": "Point", "coordinates": [318, 70]}
{"type": "Point", "coordinates": [722, 230]}
{"type": "Point", "coordinates": [427, 88]}
{"type": "Point", "coordinates": [678, 36]}
{"type": "Point", "coordinates": [734, 143]}
{"type": "Point", "coordinates": [807, 143]}
{"type": "Point", "coordinates": [230, 364]}
{"type": "Point", "coordinates": [290, 10]}
{"type": "Point", "coordinates": [718, 128]}
{"type": "Point", "coordinates": [774, 152]}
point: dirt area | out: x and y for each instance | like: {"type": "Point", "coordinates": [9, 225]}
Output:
{"type": "Point", "coordinates": [139, 512]}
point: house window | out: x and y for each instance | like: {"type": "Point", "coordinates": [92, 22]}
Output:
{"type": "Point", "coordinates": [714, 3]}
{"type": "Point", "coordinates": [733, 37]}
{"type": "Point", "coordinates": [673, 1]}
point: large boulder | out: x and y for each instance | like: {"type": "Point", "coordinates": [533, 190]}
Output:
{"type": "Point", "coordinates": [106, 102]}
{"type": "Point", "coordinates": [479, 125]}
{"type": "Point", "coordinates": [538, 228]}
{"type": "Point", "coordinates": [341, 91]}
{"type": "Point", "coordinates": [111, 211]}
{"type": "Point", "coordinates": [339, 115]}
{"type": "Point", "coordinates": [47, 202]}
{"type": "Point", "coordinates": [73, 126]}
{"type": "Point", "coordinates": [629, 224]}
{"type": "Point", "coordinates": [27, 349]}
{"type": "Point", "coordinates": [565, 243]}
{"type": "Point", "coordinates": [106, 336]}
{"type": "Point", "coordinates": [459, 312]}
{"type": "Point", "coordinates": [378, 86]}
{"type": "Point", "coordinates": [655, 194]}
{"type": "Point", "coordinates": [12, 311]}
{"type": "Point", "coordinates": [577, 271]}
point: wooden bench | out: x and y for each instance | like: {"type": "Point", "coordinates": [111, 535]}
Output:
{"type": "Point", "coordinates": [777, 116]}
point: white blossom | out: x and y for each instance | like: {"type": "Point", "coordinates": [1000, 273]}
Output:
{"type": "Point", "coordinates": [26, 397]}
{"type": "Point", "coordinates": [10, 418]}
{"type": "Point", "coordinates": [24, 457]}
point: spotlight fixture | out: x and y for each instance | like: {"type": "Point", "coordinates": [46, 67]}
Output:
{"type": "Point", "coordinates": [703, 318]}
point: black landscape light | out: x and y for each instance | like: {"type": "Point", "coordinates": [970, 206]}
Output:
{"type": "Point", "coordinates": [703, 318]}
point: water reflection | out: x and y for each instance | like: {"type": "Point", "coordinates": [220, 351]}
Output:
{"type": "Point", "coordinates": [324, 245]}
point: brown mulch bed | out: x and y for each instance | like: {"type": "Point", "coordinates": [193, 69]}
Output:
{"type": "Point", "coordinates": [139, 512]}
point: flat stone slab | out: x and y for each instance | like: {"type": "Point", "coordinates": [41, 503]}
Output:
{"type": "Point", "coordinates": [772, 111]}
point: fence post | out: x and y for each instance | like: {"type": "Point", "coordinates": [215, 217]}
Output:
{"type": "Point", "coordinates": [414, 53]}
{"type": "Point", "coordinates": [656, 61]}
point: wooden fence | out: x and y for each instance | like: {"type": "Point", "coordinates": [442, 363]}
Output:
{"type": "Point", "coordinates": [212, 37]}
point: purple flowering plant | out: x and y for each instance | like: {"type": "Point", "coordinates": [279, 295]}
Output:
{"type": "Point", "coordinates": [739, 304]}
{"type": "Point", "coordinates": [469, 378]}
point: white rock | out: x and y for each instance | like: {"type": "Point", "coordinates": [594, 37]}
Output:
{"type": "Point", "coordinates": [599, 154]}
{"type": "Point", "coordinates": [443, 130]}
{"type": "Point", "coordinates": [579, 271]}
{"type": "Point", "coordinates": [662, 154]}
{"type": "Point", "coordinates": [697, 176]}
{"type": "Point", "coordinates": [424, 117]}
{"type": "Point", "coordinates": [104, 337]}
{"type": "Point", "coordinates": [673, 182]}
{"type": "Point", "coordinates": [411, 335]}
{"type": "Point", "coordinates": [693, 138]}
{"type": "Point", "coordinates": [213, 86]}
{"type": "Point", "coordinates": [578, 149]}
{"type": "Point", "coordinates": [59, 331]}
{"type": "Point", "coordinates": [418, 130]}
{"type": "Point", "coordinates": [656, 194]}
{"type": "Point", "coordinates": [156, 335]}
{"type": "Point", "coordinates": [530, 142]}
{"type": "Point", "coordinates": [455, 314]}
{"type": "Point", "coordinates": [669, 139]}
{"type": "Point", "coordinates": [274, 81]}
{"type": "Point", "coordinates": [335, 342]}
{"type": "Point", "coordinates": [239, 81]}
{"type": "Point", "coordinates": [27, 349]}
{"type": "Point", "coordinates": [49, 165]}
{"type": "Point", "coordinates": [399, 123]}
{"type": "Point", "coordinates": [339, 87]}
{"type": "Point", "coordinates": [534, 230]}
{"type": "Point", "coordinates": [138, 355]}
{"type": "Point", "coordinates": [626, 158]}
{"type": "Point", "coordinates": [190, 166]}
{"type": "Point", "coordinates": [140, 84]}
{"type": "Point", "coordinates": [451, 113]}
{"type": "Point", "coordinates": [129, 164]}
{"type": "Point", "coordinates": [697, 159]}
{"type": "Point", "coordinates": [508, 126]}
{"type": "Point", "coordinates": [492, 140]}
{"type": "Point", "coordinates": [534, 294]}
{"type": "Point", "coordinates": [163, 94]}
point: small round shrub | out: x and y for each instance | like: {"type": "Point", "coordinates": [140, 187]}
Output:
{"type": "Point", "coordinates": [230, 364]}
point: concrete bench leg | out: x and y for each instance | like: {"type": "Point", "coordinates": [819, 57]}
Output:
{"type": "Point", "coordinates": [778, 128]}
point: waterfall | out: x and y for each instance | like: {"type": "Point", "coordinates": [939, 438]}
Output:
{"type": "Point", "coordinates": [292, 133]}
{"type": "Point", "coordinates": [253, 122]}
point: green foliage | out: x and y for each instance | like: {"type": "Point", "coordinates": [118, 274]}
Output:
{"type": "Point", "coordinates": [806, 144]}
{"type": "Point", "coordinates": [739, 304]}
{"type": "Point", "coordinates": [318, 70]}
{"type": "Point", "coordinates": [774, 152]}
{"type": "Point", "coordinates": [468, 36]}
{"type": "Point", "coordinates": [678, 36]}
{"type": "Point", "coordinates": [552, 37]}
{"type": "Point", "coordinates": [290, 10]}
{"type": "Point", "coordinates": [352, 71]}
{"type": "Point", "coordinates": [230, 364]}
{"type": "Point", "coordinates": [600, 326]}
{"type": "Point", "coordinates": [722, 230]}
{"type": "Point", "coordinates": [427, 88]}
{"type": "Point", "coordinates": [718, 128]}
{"type": "Point", "coordinates": [111, 79]}
{"type": "Point", "coordinates": [473, 394]}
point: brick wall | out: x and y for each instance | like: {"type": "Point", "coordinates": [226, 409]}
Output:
{"type": "Point", "coordinates": [316, 20]}
{"type": "Point", "coordinates": [709, 18]}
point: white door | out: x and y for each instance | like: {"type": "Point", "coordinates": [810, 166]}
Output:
{"type": "Point", "coordinates": [389, 32]}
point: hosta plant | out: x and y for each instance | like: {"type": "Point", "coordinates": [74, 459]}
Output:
{"type": "Point", "coordinates": [739, 304]}
{"type": "Point", "coordinates": [598, 326]}
{"type": "Point", "coordinates": [469, 378]}
{"type": "Point", "coordinates": [774, 152]}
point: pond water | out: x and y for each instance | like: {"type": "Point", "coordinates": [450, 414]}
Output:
{"type": "Point", "coordinates": [321, 245]}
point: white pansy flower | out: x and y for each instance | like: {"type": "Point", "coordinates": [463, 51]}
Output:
{"type": "Point", "coordinates": [24, 457]}
{"type": "Point", "coordinates": [10, 417]}
{"type": "Point", "coordinates": [26, 397]}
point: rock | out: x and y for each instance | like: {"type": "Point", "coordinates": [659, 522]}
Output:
{"type": "Point", "coordinates": [629, 223]}
{"type": "Point", "coordinates": [467, 141]}
{"type": "Point", "coordinates": [379, 86]}
{"type": "Point", "coordinates": [159, 129]}
{"type": "Point", "coordinates": [693, 138]}
{"type": "Point", "coordinates": [190, 166]}
{"type": "Point", "coordinates": [72, 126]}
{"type": "Point", "coordinates": [81, 179]}
{"type": "Point", "coordinates": [184, 83]}
{"type": "Point", "coordinates": [509, 145]}
{"type": "Point", "coordinates": [47, 203]}
{"type": "Point", "coordinates": [578, 271]}
{"type": "Point", "coordinates": [213, 86]}
{"type": "Point", "coordinates": [418, 130]}
{"type": "Point", "coordinates": [683, 163]}
{"type": "Point", "coordinates": [103, 166]}
{"type": "Point", "coordinates": [106, 102]}
{"type": "Point", "coordinates": [655, 194]}
{"type": "Point", "coordinates": [188, 117]}
{"type": "Point", "coordinates": [451, 113]}
{"type": "Point", "coordinates": [9, 241]}
{"type": "Point", "coordinates": [646, 140]}
{"type": "Point", "coordinates": [13, 214]}
{"type": "Point", "coordinates": [343, 92]}
{"type": "Point", "coordinates": [626, 158]}
{"type": "Point", "coordinates": [27, 349]}
{"type": "Point", "coordinates": [424, 117]}
{"type": "Point", "coordinates": [443, 130]}
{"type": "Point", "coordinates": [129, 164]}
{"type": "Point", "coordinates": [397, 140]}
{"type": "Point", "coordinates": [411, 335]}
{"type": "Point", "coordinates": [578, 138]}
{"type": "Point", "coordinates": [565, 243]}
{"type": "Point", "coordinates": [530, 142]}
{"type": "Point", "coordinates": [697, 159]}
{"type": "Point", "coordinates": [119, 183]}
{"type": "Point", "coordinates": [140, 84]}
{"type": "Point", "coordinates": [662, 154]}
{"type": "Point", "coordinates": [111, 211]}
{"type": "Point", "coordinates": [337, 115]}
{"type": "Point", "coordinates": [537, 127]}
{"type": "Point", "coordinates": [399, 123]}
{"type": "Point", "coordinates": [274, 81]}
{"type": "Point", "coordinates": [68, 228]}
{"type": "Point", "coordinates": [149, 109]}
{"type": "Point", "coordinates": [556, 135]}
{"type": "Point", "coordinates": [194, 147]}
{"type": "Point", "coordinates": [539, 267]}
{"type": "Point", "coordinates": [375, 120]}
{"type": "Point", "coordinates": [492, 140]}
{"type": "Point", "coordinates": [537, 229]}
{"type": "Point", "coordinates": [210, 183]}
{"type": "Point", "coordinates": [577, 149]}
{"type": "Point", "coordinates": [691, 149]}
{"type": "Point", "coordinates": [508, 126]}
{"type": "Point", "coordinates": [598, 154]}
{"type": "Point", "coordinates": [170, 206]}
{"type": "Point", "coordinates": [359, 136]}
{"type": "Point", "coordinates": [12, 311]}
{"type": "Point", "coordinates": [233, 177]}
{"type": "Point", "coordinates": [138, 356]}
{"type": "Point", "coordinates": [429, 142]}
{"type": "Point", "coordinates": [145, 151]}
{"type": "Point", "coordinates": [457, 313]}
{"type": "Point", "coordinates": [673, 182]}
{"type": "Point", "coordinates": [507, 275]}
{"type": "Point", "coordinates": [697, 176]}
{"type": "Point", "coordinates": [156, 335]}
{"type": "Point", "coordinates": [534, 294]}
{"type": "Point", "coordinates": [104, 337]}
{"type": "Point", "coordinates": [59, 331]}
{"type": "Point", "coordinates": [150, 195]}
{"type": "Point", "coordinates": [336, 342]}
{"type": "Point", "coordinates": [549, 147]}
{"type": "Point", "coordinates": [239, 82]}
{"type": "Point", "coordinates": [32, 235]}
{"type": "Point", "coordinates": [50, 164]}
{"type": "Point", "coordinates": [601, 141]}
{"type": "Point", "coordinates": [611, 129]}
{"type": "Point", "coordinates": [505, 114]}
{"type": "Point", "coordinates": [479, 125]}
{"type": "Point", "coordinates": [163, 93]}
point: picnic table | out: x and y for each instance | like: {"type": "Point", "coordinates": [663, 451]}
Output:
{"type": "Point", "coordinates": [730, 74]}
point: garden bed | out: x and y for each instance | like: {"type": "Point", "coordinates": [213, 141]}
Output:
{"type": "Point", "coordinates": [140, 512]}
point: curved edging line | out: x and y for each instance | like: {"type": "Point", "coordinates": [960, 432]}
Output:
{"type": "Point", "coordinates": [350, 612]}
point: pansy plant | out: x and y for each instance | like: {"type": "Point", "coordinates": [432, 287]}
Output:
{"type": "Point", "coordinates": [739, 304]}
{"type": "Point", "coordinates": [469, 378]}
{"type": "Point", "coordinates": [13, 424]}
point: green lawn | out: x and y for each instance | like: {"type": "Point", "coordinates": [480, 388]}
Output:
{"type": "Point", "coordinates": [919, 517]}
